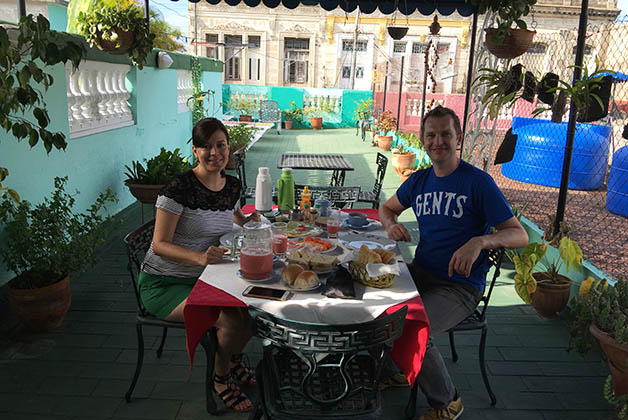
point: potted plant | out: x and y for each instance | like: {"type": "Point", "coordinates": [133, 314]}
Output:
{"type": "Point", "coordinates": [547, 290]}
{"type": "Point", "coordinates": [402, 156]}
{"type": "Point", "coordinates": [44, 244]}
{"type": "Point", "coordinates": [292, 115]}
{"type": "Point", "coordinates": [502, 87]}
{"type": "Point", "coordinates": [239, 138]}
{"type": "Point", "coordinates": [244, 107]}
{"type": "Point", "coordinates": [315, 114]}
{"type": "Point", "coordinates": [601, 311]}
{"type": "Point", "coordinates": [504, 41]}
{"type": "Point", "coordinates": [119, 29]}
{"type": "Point", "coordinates": [144, 182]}
{"type": "Point", "coordinates": [385, 124]}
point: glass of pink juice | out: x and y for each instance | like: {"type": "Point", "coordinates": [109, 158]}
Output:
{"type": "Point", "coordinates": [256, 263]}
{"type": "Point", "coordinates": [280, 244]}
{"type": "Point", "coordinates": [333, 222]}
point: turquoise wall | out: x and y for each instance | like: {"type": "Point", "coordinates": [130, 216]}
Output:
{"type": "Point", "coordinates": [95, 162]}
{"type": "Point", "coordinates": [58, 17]}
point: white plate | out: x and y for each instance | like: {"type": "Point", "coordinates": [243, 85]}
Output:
{"type": "Point", "coordinates": [310, 230]}
{"type": "Point", "coordinates": [354, 241]}
{"type": "Point", "coordinates": [302, 290]}
{"type": "Point", "coordinates": [270, 277]}
{"type": "Point", "coordinates": [297, 240]}
{"type": "Point", "coordinates": [370, 223]}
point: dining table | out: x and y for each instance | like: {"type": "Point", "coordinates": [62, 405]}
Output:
{"type": "Point", "coordinates": [339, 164]}
{"type": "Point", "coordinates": [221, 285]}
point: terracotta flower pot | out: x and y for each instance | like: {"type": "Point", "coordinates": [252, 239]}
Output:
{"type": "Point", "coordinates": [316, 123]}
{"type": "Point", "coordinates": [125, 39]}
{"type": "Point", "coordinates": [514, 44]}
{"type": "Point", "coordinates": [384, 142]}
{"type": "Point", "coordinates": [146, 194]}
{"type": "Point", "coordinates": [246, 118]}
{"type": "Point", "coordinates": [617, 357]}
{"type": "Point", "coordinates": [404, 161]}
{"type": "Point", "coordinates": [550, 298]}
{"type": "Point", "coordinates": [288, 125]}
{"type": "Point", "coordinates": [41, 309]}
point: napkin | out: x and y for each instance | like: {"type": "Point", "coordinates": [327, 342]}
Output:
{"type": "Point", "coordinates": [340, 285]}
{"type": "Point", "coordinates": [375, 270]}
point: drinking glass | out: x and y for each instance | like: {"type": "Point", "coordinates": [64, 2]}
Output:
{"type": "Point", "coordinates": [333, 222]}
{"type": "Point", "coordinates": [280, 239]}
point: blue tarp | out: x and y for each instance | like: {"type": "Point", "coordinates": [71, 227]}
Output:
{"type": "Point", "coordinates": [406, 7]}
{"type": "Point", "coordinates": [618, 76]}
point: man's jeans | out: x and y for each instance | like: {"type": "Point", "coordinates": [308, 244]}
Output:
{"type": "Point", "coordinates": [447, 303]}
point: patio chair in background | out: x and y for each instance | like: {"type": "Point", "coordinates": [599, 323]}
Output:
{"type": "Point", "coordinates": [339, 196]}
{"type": "Point", "coordinates": [269, 112]}
{"type": "Point", "coordinates": [373, 196]}
{"type": "Point", "coordinates": [475, 321]}
{"type": "Point", "coordinates": [246, 192]}
{"type": "Point", "coordinates": [317, 371]}
{"type": "Point", "coordinates": [137, 243]}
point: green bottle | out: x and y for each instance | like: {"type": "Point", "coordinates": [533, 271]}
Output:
{"type": "Point", "coordinates": [285, 190]}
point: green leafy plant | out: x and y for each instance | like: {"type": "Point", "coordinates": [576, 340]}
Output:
{"type": "Point", "coordinates": [317, 111]}
{"type": "Point", "coordinates": [107, 21]}
{"type": "Point", "coordinates": [503, 87]}
{"type": "Point", "coordinates": [294, 113]}
{"type": "Point", "coordinates": [364, 109]}
{"type": "Point", "coordinates": [400, 150]}
{"type": "Point", "coordinates": [386, 123]}
{"type": "Point", "coordinates": [243, 105]}
{"type": "Point", "coordinates": [46, 242]}
{"type": "Point", "coordinates": [158, 170]}
{"type": "Point", "coordinates": [620, 402]}
{"type": "Point", "coordinates": [240, 136]}
{"type": "Point", "coordinates": [509, 13]}
{"type": "Point", "coordinates": [412, 139]}
{"type": "Point", "coordinates": [532, 254]}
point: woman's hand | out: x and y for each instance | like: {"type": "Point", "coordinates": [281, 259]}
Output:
{"type": "Point", "coordinates": [253, 216]}
{"type": "Point", "coordinates": [213, 255]}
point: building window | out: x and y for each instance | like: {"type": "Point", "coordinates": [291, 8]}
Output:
{"type": "Point", "coordinates": [254, 41]}
{"type": "Point", "coordinates": [346, 72]}
{"type": "Point", "coordinates": [399, 47]}
{"type": "Point", "coordinates": [418, 48]}
{"type": "Point", "coordinates": [587, 50]}
{"type": "Point", "coordinates": [359, 72]}
{"type": "Point", "coordinates": [296, 55]}
{"type": "Point", "coordinates": [537, 48]}
{"type": "Point", "coordinates": [211, 51]}
{"type": "Point", "coordinates": [347, 45]}
{"type": "Point", "coordinates": [233, 48]}
{"type": "Point", "coordinates": [254, 68]}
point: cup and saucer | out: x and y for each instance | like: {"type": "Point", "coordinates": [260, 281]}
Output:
{"type": "Point", "coordinates": [359, 221]}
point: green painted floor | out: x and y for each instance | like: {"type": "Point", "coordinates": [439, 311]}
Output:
{"type": "Point", "coordinates": [83, 369]}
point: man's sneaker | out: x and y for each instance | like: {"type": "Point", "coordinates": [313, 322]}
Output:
{"type": "Point", "coordinates": [451, 412]}
{"type": "Point", "coordinates": [397, 380]}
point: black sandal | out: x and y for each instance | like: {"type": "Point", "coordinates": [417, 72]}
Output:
{"type": "Point", "coordinates": [241, 371]}
{"type": "Point", "coordinates": [232, 395]}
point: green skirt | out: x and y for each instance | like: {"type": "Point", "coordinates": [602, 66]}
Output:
{"type": "Point", "coordinates": [161, 294]}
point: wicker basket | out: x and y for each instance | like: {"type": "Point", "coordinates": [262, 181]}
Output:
{"type": "Point", "coordinates": [359, 273]}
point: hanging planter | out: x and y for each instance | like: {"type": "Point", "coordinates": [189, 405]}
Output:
{"type": "Point", "coordinates": [120, 45]}
{"type": "Point", "coordinates": [397, 32]}
{"type": "Point", "coordinates": [515, 43]}
{"type": "Point", "coordinates": [529, 87]}
{"type": "Point", "coordinates": [594, 111]}
{"type": "Point", "coordinates": [548, 82]}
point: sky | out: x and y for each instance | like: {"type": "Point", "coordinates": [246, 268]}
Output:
{"type": "Point", "coordinates": [176, 12]}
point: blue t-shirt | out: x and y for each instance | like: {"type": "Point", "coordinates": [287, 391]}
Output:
{"type": "Point", "coordinates": [451, 210]}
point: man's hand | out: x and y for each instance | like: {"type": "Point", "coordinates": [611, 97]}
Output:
{"type": "Point", "coordinates": [398, 232]}
{"type": "Point", "coordinates": [464, 257]}
{"type": "Point", "coordinates": [213, 255]}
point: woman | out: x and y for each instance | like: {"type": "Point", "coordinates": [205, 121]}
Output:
{"type": "Point", "coordinates": [193, 210]}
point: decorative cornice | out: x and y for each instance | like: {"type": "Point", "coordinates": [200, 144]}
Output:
{"type": "Point", "coordinates": [299, 28]}
{"type": "Point", "coordinates": [234, 26]}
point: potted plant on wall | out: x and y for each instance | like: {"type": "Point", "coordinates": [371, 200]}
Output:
{"type": "Point", "coordinates": [244, 107]}
{"type": "Point", "coordinates": [385, 124]}
{"type": "Point", "coordinates": [601, 311]}
{"type": "Point", "coordinates": [117, 29]}
{"type": "Point", "coordinates": [502, 87]}
{"type": "Point", "coordinates": [292, 115]}
{"type": "Point", "coordinates": [504, 41]}
{"type": "Point", "coordinates": [144, 182]}
{"type": "Point", "coordinates": [44, 244]}
{"type": "Point", "coordinates": [239, 138]}
{"type": "Point", "coordinates": [315, 114]}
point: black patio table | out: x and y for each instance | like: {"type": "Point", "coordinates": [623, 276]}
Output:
{"type": "Point", "coordinates": [336, 163]}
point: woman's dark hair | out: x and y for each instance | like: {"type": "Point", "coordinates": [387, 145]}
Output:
{"type": "Point", "coordinates": [204, 129]}
{"type": "Point", "coordinates": [441, 111]}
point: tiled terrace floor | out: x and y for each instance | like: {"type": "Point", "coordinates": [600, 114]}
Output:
{"type": "Point", "coordinates": [83, 369]}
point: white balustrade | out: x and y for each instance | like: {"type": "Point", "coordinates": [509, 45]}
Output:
{"type": "Point", "coordinates": [97, 97]}
{"type": "Point", "coordinates": [185, 89]}
{"type": "Point", "coordinates": [316, 100]}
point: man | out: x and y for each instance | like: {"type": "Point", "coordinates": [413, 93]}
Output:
{"type": "Point", "coordinates": [455, 205]}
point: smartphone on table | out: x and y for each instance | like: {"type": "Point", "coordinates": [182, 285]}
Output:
{"type": "Point", "coordinates": [267, 293]}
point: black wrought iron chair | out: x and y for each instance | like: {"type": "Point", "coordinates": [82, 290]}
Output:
{"type": "Point", "coordinates": [316, 371]}
{"type": "Point", "coordinates": [339, 196]}
{"type": "Point", "coordinates": [475, 321]}
{"type": "Point", "coordinates": [137, 243]}
{"type": "Point", "coordinates": [246, 192]}
{"type": "Point", "coordinates": [373, 196]}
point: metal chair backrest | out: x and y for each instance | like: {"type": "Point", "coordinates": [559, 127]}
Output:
{"type": "Point", "coordinates": [309, 341]}
{"type": "Point", "coordinates": [382, 164]}
{"type": "Point", "coordinates": [241, 174]}
{"type": "Point", "coordinates": [137, 244]}
{"type": "Point", "coordinates": [495, 257]}
{"type": "Point", "coordinates": [337, 195]}
{"type": "Point", "coordinates": [269, 112]}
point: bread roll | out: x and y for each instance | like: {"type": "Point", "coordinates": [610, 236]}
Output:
{"type": "Point", "coordinates": [374, 258]}
{"type": "Point", "coordinates": [290, 273]}
{"type": "Point", "coordinates": [306, 280]}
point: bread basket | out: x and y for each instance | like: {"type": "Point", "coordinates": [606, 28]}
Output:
{"type": "Point", "coordinates": [359, 273]}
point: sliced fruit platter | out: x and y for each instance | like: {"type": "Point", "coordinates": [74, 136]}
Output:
{"type": "Point", "coordinates": [298, 229]}
{"type": "Point", "coordinates": [312, 244]}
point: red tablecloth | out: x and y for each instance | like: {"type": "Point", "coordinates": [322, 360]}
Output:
{"type": "Point", "coordinates": [204, 302]}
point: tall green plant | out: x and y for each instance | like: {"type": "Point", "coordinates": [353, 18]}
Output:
{"type": "Point", "coordinates": [159, 169]}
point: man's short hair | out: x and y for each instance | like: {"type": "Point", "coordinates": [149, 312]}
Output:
{"type": "Point", "coordinates": [441, 111]}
